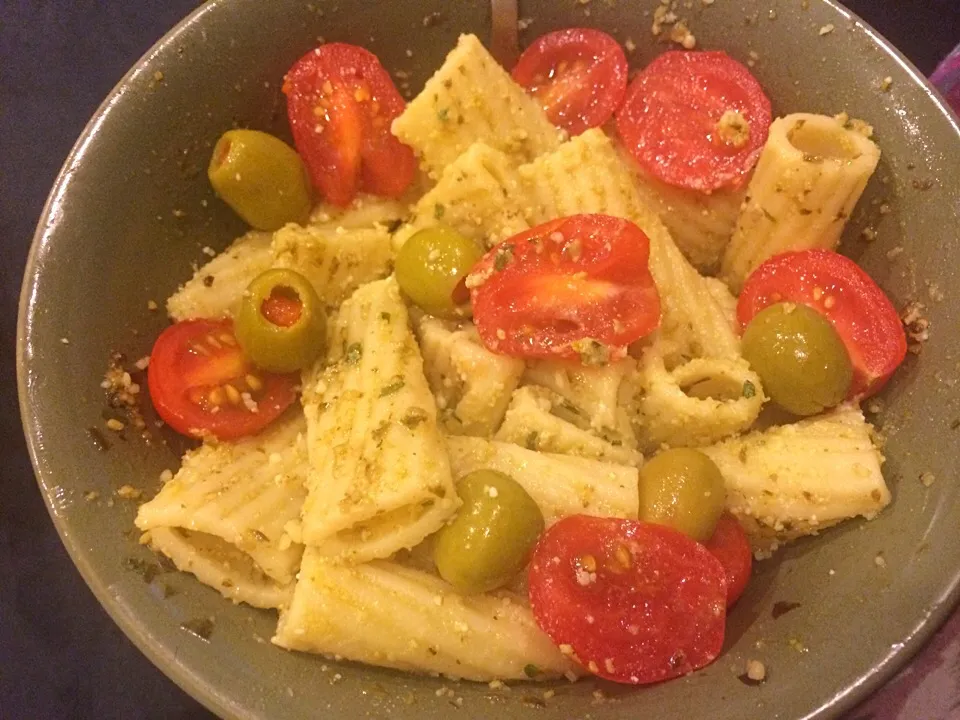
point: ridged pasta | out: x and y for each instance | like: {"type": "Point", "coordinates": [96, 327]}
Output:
{"type": "Point", "coordinates": [243, 492]}
{"type": "Point", "coordinates": [593, 390]}
{"type": "Point", "coordinates": [472, 99]}
{"type": "Point", "coordinates": [701, 225]}
{"type": "Point", "coordinates": [472, 385]}
{"type": "Point", "coordinates": [696, 403]}
{"type": "Point", "coordinates": [379, 476]}
{"type": "Point", "coordinates": [477, 195]}
{"type": "Point", "coordinates": [797, 479]}
{"type": "Point", "coordinates": [588, 175]}
{"type": "Point", "coordinates": [336, 263]}
{"type": "Point", "coordinates": [363, 213]}
{"type": "Point", "coordinates": [561, 485]}
{"type": "Point", "coordinates": [539, 419]}
{"type": "Point", "coordinates": [215, 289]}
{"type": "Point", "coordinates": [382, 613]}
{"type": "Point", "coordinates": [220, 565]}
{"type": "Point", "coordinates": [811, 173]}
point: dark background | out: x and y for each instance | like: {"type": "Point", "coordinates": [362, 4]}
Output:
{"type": "Point", "coordinates": [60, 655]}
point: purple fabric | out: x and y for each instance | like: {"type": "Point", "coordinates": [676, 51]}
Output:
{"type": "Point", "coordinates": [947, 78]}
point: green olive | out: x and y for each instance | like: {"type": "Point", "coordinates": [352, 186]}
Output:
{"type": "Point", "coordinates": [683, 489]}
{"type": "Point", "coordinates": [492, 536]}
{"type": "Point", "coordinates": [431, 267]}
{"type": "Point", "coordinates": [281, 324]}
{"type": "Point", "coordinates": [800, 358]}
{"type": "Point", "coordinates": [261, 178]}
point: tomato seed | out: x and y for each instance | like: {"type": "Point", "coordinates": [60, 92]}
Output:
{"type": "Point", "coordinates": [228, 339]}
{"type": "Point", "coordinates": [253, 382]}
{"type": "Point", "coordinates": [623, 556]}
{"type": "Point", "coordinates": [588, 563]}
{"type": "Point", "coordinates": [216, 396]}
{"type": "Point", "coordinates": [232, 394]}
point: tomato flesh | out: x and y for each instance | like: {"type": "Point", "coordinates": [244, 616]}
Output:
{"type": "Point", "coordinates": [340, 103]}
{"type": "Point", "coordinates": [841, 291]}
{"type": "Point", "coordinates": [635, 602]}
{"type": "Point", "coordinates": [578, 76]}
{"type": "Point", "coordinates": [729, 544]}
{"type": "Point", "coordinates": [566, 288]}
{"type": "Point", "coordinates": [671, 120]}
{"type": "Point", "coordinates": [198, 377]}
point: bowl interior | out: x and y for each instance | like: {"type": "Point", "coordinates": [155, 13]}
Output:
{"type": "Point", "coordinates": [132, 211]}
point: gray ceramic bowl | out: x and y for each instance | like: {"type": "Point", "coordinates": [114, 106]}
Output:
{"type": "Point", "coordinates": [132, 210]}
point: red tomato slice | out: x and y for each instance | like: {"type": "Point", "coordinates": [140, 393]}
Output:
{"type": "Point", "coordinates": [637, 603]}
{"type": "Point", "coordinates": [577, 288]}
{"type": "Point", "coordinates": [198, 374]}
{"type": "Point", "coordinates": [578, 75]}
{"type": "Point", "coordinates": [839, 289]}
{"type": "Point", "coordinates": [670, 120]}
{"type": "Point", "coordinates": [341, 102]}
{"type": "Point", "coordinates": [729, 544]}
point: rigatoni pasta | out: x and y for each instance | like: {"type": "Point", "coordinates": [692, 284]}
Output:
{"type": "Point", "coordinates": [472, 99]}
{"type": "Point", "coordinates": [379, 478]}
{"type": "Point", "coordinates": [810, 175]}
{"type": "Point", "coordinates": [785, 482]}
{"type": "Point", "coordinates": [385, 614]}
{"type": "Point", "coordinates": [243, 493]}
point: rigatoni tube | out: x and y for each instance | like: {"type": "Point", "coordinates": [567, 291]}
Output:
{"type": "Point", "coordinates": [810, 175]}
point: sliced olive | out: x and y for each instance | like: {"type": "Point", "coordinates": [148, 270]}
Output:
{"type": "Point", "coordinates": [281, 324]}
{"type": "Point", "coordinates": [803, 363]}
{"type": "Point", "coordinates": [492, 536]}
{"type": "Point", "coordinates": [431, 267]}
{"type": "Point", "coordinates": [261, 178]}
{"type": "Point", "coordinates": [683, 489]}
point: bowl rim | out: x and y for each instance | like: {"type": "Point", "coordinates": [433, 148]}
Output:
{"type": "Point", "coordinates": [128, 620]}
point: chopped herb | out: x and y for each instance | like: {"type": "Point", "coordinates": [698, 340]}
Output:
{"type": "Point", "coordinates": [767, 215]}
{"type": "Point", "coordinates": [955, 424]}
{"type": "Point", "coordinates": [394, 225]}
{"type": "Point", "coordinates": [438, 211]}
{"type": "Point", "coordinates": [570, 407]}
{"type": "Point", "coordinates": [260, 536]}
{"type": "Point", "coordinates": [385, 316]}
{"type": "Point", "coordinates": [748, 389]}
{"type": "Point", "coordinates": [145, 569]}
{"type": "Point", "coordinates": [414, 417]}
{"type": "Point", "coordinates": [531, 442]}
{"type": "Point", "coordinates": [782, 607]}
{"type": "Point", "coordinates": [805, 211]}
{"type": "Point", "coordinates": [353, 354]}
{"type": "Point", "coordinates": [201, 627]}
{"type": "Point", "coordinates": [392, 387]}
{"type": "Point", "coordinates": [208, 280]}
{"type": "Point", "coordinates": [380, 431]}
{"type": "Point", "coordinates": [503, 257]}
{"type": "Point", "coordinates": [592, 352]}
{"type": "Point", "coordinates": [442, 114]}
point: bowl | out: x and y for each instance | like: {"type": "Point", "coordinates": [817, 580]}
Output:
{"type": "Point", "coordinates": [831, 617]}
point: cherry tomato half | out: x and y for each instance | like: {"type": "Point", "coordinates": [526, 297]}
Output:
{"type": "Point", "coordinates": [729, 544]}
{"type": "Point", "coordinates": [636, 602]}
{"type": "Point", "coordinates": [696, 120]}
{"type": "Point", "coordinates": [341, 102]}
{"type": "Point", "coordinates": [198, 377]}
{"type": "Point", "coordinates": [578, 76]}
{"type": "Point", "coordinates": [838, 288]}
{"type": "Point", "coordinates": [577, 288]}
